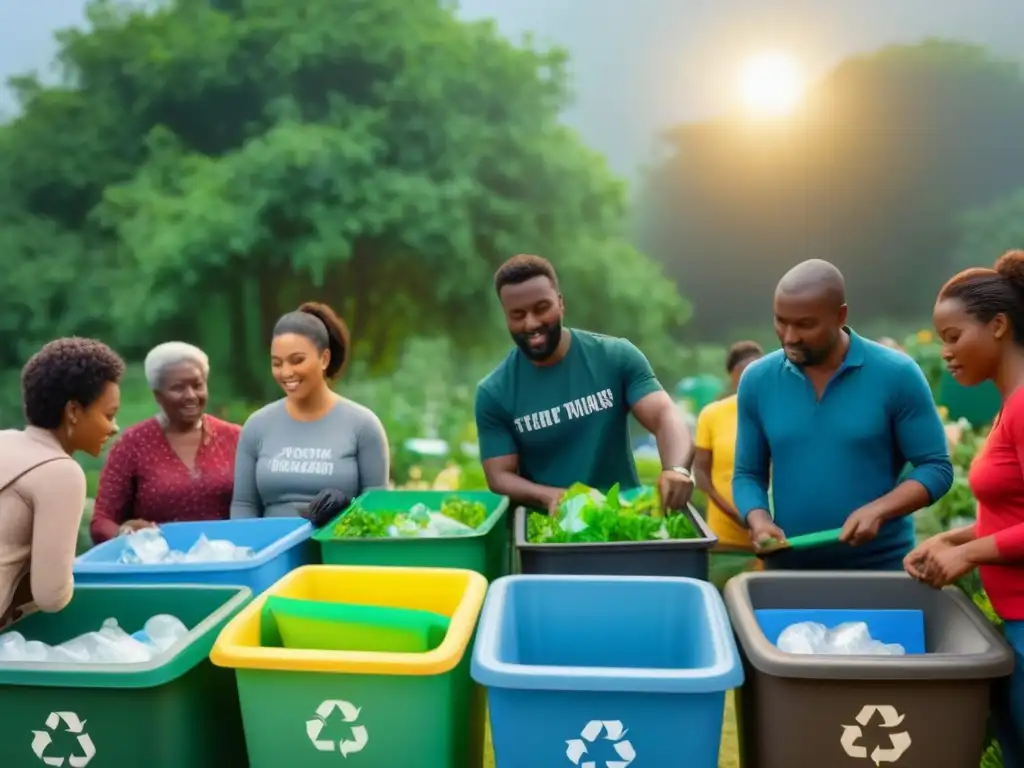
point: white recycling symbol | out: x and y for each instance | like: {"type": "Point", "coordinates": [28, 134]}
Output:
{"type": "Point", "coordinates": [576, 749]}
{"type": "Point", "coordinates": [899, 742]}
{"type": "Point", "coordinates": [349, 714]}
{"type": "Point", "coordinates": [42, 739]}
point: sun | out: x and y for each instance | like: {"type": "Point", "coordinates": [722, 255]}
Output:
{"type": "Point", "coordinates": [771, 84]}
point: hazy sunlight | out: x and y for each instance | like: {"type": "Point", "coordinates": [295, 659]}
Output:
{"type": "Point", "coordinates": [771, 84]}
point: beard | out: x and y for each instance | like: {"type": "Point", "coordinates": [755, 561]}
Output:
{"type": "Point", "coordinates": [804, 356]}
{"type": "Point", "coordinates": [552, 335]}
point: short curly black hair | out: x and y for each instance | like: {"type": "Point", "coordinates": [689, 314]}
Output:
{"type": "Point", "coordinates": [740, 352]}
{"type": "Point", "coordinates": [521, 268]}
{"type": "Point", "coordinates": [66, 370]}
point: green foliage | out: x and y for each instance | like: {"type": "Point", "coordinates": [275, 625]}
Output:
{"type": "Point", "coordinates": [926, 350]}
{"type": "Point", "coordinates": [228, 162]}
{"type": "Point", "coordinates": [591, 516]}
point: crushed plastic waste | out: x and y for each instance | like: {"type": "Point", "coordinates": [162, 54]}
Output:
{"type": "Point", "coordinates": [109, 645]}
{"type": "Point", "coordinates": [851, 638]}
{"type": "Point", "coordinates": [422, 522]}
{"type": "Point", "coordinates": [149, 547]}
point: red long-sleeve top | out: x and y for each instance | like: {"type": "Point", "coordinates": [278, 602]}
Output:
{"type": "Point", "coordinates": [144, 479]}
{"type": "Point", "coordinates": [997, 480]}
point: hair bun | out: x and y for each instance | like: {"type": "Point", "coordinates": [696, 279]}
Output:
{"type": "Point", "coordinates": [1011, 266]}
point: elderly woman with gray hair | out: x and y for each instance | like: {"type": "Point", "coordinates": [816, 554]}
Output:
{"type": "Point", "coordinates": [178, 465]}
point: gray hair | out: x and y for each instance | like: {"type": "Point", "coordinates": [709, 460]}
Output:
{"type": "Point", "coordinates": [171, 353]}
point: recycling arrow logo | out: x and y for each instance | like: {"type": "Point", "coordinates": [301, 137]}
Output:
{"type": "Point", "coordinates": [899, 742]}
{"type": "Point", "coordinates": [576, 749]}
{"type": "Point", "coordinates": [349, 714]}
{"type": "Point", "coordinates": [41, 740]}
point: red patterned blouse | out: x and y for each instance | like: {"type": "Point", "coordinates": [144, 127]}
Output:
{"type": "Point", "coordinates": [144, 479]}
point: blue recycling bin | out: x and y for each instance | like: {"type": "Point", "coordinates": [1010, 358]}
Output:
{"type": "Point", "coordinates": [606, 670]}
{"type": "Point", "coordinates": [281, 545]}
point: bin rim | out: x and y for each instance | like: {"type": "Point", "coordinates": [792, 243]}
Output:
{"type": "Point", "coordinates": [325, 535]}
{"type": "Point", "coordinates": [233, 651]}
{"type": "Point", "coordinates": [995, 661]}
{"type": "Point", "coordinates": [301, 533]}
{"type": "Point", "coordinates": [724, 673]}
{"type": "Point", "coordinates": [159, 670]}
{"type": "Point", "coordinates": [707, 541]}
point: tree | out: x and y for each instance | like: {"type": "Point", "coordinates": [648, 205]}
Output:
{"type": "Point", "coordinates": [230, 161]}
{"type": "Point", "coordinates": [989, 231]}
{"type": "Point", "coordinates": [871, 174]}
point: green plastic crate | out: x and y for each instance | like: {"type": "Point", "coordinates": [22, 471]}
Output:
{"type": "Point", "coordinates": [175, 711]}
{"type": "Point", "coordinates": [486, 551]}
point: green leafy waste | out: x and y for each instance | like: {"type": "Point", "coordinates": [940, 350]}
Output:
{"type": "Point", "coordinates": [456, 517]}
{"type": "Point", "coordinates": [587, 515]}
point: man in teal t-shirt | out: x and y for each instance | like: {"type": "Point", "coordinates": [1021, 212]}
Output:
{"type": "Point", "coordinates": [555, 411]}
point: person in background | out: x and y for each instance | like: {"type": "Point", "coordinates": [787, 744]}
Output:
{"type": "Point", "coordinates": [834, 417]}
{"type": "Point", "coordinates": [71, 396]}
{"type": "Point", "coordinates": [313, 439]}
{"type": "Point", "coordinates": [891, 343]}
{"type": "Point", "coordinates": [555, 411]}
{"type": "Point", "coordinates": [176, 466]}
{"type": "Point", "coordinates": [715, 452]}
{"type": "Point", "coordinates": [979, 316]}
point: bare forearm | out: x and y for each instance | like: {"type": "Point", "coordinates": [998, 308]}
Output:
{"type": "Point", "coordinates": [703, 483]}
{"type": "Point", "coordinates": [521, 490]}
{"type": "Point", "coordinates": [959, 536]}
{"type": "Point", "coordinates": [674, 444]}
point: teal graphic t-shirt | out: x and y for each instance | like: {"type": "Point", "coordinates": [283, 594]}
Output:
{"type": "Point", "coordinates": [567, 422]}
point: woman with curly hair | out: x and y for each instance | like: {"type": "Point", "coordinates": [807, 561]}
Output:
{"type": "Point", "coordinates": [979, 316]}
{"type": "Point", "coordinates": [71, 396]}
{"type": "Point", "coordinates": [313, 440]}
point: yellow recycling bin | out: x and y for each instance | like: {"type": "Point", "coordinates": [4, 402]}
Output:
{"type": "Point", "coordinates": [309, 706]}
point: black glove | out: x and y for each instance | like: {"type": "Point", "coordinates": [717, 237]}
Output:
{"type": "Point", "coordinates": [325, 506]}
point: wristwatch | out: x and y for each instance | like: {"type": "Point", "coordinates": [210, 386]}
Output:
{"type": "Point", "coordinates": [682, 471]}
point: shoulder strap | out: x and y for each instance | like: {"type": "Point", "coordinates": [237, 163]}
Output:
{"type": "Point", "coordinates": [31, 467]}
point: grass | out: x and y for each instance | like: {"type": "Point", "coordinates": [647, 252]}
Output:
{"type": "Point", "coordinates": [728, 756]}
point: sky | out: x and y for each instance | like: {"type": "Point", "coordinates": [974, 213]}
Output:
{"type": "Point", "coordinates": [643, 65]}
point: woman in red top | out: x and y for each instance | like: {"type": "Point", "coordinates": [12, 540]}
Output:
{"type": "Point", "coordinates": [176, 466]}
{"type": "Point", "coordinates": [979, 316]}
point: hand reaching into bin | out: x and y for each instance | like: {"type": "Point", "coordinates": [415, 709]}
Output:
{"type": "Point", "coordinates": [325, 506]}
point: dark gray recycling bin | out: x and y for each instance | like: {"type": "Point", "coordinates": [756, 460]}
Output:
{"type": "Point", "coordinates": [925, 710]}
{"type": "Point", "coordinates": [683, 557]}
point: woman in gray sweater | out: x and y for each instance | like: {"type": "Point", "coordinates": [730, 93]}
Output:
{"type": "Point", "coordinates": [313, 439]}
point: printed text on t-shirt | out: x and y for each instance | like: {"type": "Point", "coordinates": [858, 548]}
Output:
{"type": "Point", "coordinates": [303, 461]}
{"type": "Point", "coordinates": [574, 409]}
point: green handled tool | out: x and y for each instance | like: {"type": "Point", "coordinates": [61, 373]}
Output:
{"type": "Point", "coordinates": [806, 541]}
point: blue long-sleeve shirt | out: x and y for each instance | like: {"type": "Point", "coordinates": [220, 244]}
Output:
{"type": "Point", "coordinates": [826, 458]}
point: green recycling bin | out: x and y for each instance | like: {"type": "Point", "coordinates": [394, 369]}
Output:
{"type": "Point", "coordinates": [485, 551]}
{"type": "Point", "coordinates": [979, 405]}
{"type": "Point", "coordinates": [174, 711]}
{"type": "Point", "coordinates": [313, 708]}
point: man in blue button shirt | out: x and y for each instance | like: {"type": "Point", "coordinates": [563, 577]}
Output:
{"type": "Point", "coordinates": [831, 419]}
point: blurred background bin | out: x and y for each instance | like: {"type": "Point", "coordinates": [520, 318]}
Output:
{"type": "Point", "coordinates": [486, 551]}
{"type": "Point", "coordinates": [281, 544]}
{"type": "Point", "coordinates": [605, 670]}
{"type": "Point", "coordinates": [686, 558]}
{"type": "Point", "coordinates": [923, 710]}
{"type": "Point", "coordinates": [176, 710]}
{"type": "Point", "coordinates": [378, 710]}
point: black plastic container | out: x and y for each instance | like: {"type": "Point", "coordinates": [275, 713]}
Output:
{"type": "Point", "coordinates": [673, 557]}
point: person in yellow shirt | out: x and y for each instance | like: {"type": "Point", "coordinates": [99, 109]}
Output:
{"type": "Point", "coordinates": [713, 461]}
